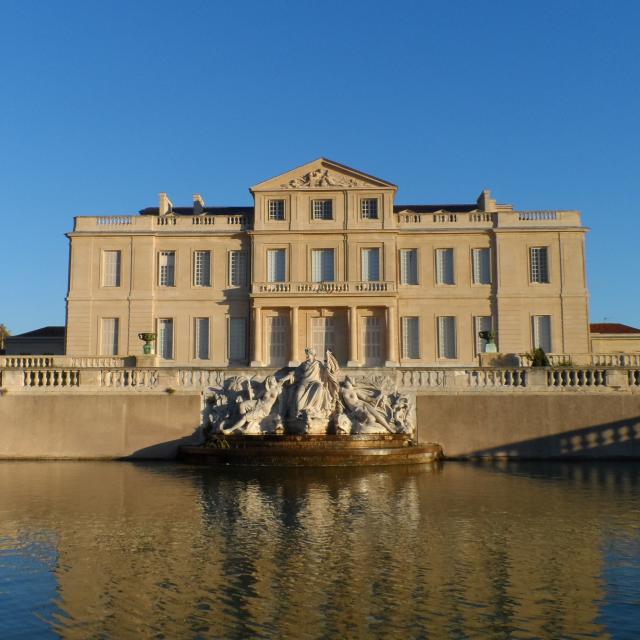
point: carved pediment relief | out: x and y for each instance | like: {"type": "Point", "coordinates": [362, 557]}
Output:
{"type": "Point", "coordinates": [322, 177]}
{"type": "Point", "coordinates": [323, 174]}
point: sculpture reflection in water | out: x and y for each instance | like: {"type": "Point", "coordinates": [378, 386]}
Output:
{"type": "Point", "coordinates": [310, 399]}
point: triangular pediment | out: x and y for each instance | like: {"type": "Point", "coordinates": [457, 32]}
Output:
{"type": "Point", "coordinates": [323, 174]}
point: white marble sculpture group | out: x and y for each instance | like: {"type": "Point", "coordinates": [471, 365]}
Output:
{"type": "Point", "coordinates": [310, 399]}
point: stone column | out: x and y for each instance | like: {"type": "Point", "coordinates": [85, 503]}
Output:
{"type": "Point", "coordinates": [257, 337]}
{"type": "Point", "coordinates": [294, 356]}
{"type": "Point", "coordinates": [392, 338]}
{"type": "Point", "coordinates": [353, 338]}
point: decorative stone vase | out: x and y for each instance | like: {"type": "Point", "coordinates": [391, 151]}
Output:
{"type": "Point", "coordinates": [149, 339]}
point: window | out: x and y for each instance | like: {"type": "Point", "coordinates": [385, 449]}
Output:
{"type": "Point", "coordinates": [111, 268]}
{"type": "Point", "coordinates": [278, 332]}
{"type": "Point", "coordinates": [372, 339]}
{"type": "Point", "coordinates": [323, 335]}
{"type": "Point", "coordinates": [369, 208]}
{"type": "Point", "coordinates": [109, 337]}
{"type": "Point", "coordinates": [202, 268]}
{"type": "Point", "coordinates": [166, 268]}
{"type": "Point", "coordinates": [408, 266]}
{"type": "Point", "coordinates": [542, 333]}
{"type": "Point", "coordinates": [276, 265]}
{"type": "Point", "coordinates": [481, 266]}
{"type": "Point", "coordinates": [447, 337]}
{"type": "Point", "coordinates": [538, 264]}
{"type": "Point", "coordinates": [322, 209]}
{"type": "Point", "coordinates": [322, 265]}
{"type": "Point", "coordinates": [201, 338]}
{"type": "Point", "coordinates": [444, 266]}
{"type": "Point", "coordinates": [370, 264]}
{"type": "Point", "coordinates": [238, 268]}
{"type": "Point", "coordinates": [276, 209]}
{"type": "Point", "coordinates": [165, 338]}
{"type": "Point", "coordinates": [481, 323]}
{"type": "Point", "coordinates": [237, 339]}
{"type": "Point", "coordinates": [410, 338]}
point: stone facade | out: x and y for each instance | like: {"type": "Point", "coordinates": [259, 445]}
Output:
{"type": "Point", "coordinates": [326, 259]}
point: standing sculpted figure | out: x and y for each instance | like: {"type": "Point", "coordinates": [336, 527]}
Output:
{"type": "Point", "coordinates": [315, 386]}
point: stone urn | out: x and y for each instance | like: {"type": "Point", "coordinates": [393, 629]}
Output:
{"type": "Point", "coordinates": [148, 338]}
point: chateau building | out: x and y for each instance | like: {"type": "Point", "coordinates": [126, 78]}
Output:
{"type": "Point", "coordinates": [325, 258]}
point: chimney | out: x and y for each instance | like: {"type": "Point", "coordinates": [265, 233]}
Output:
{"type": "Point", "coordinates": [486, 202]}
{"type": "Point", "coordinates": [166, 206]}
{"type": "Point", "coordinates": [198, 204]}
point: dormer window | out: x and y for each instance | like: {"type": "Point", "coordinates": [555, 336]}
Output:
{"type": "Point", "coordinates": [369, 209]}
{"type": "Point", "coordinates": [276, 209]}
{"type": "Point", "coordinates": [322, 209]}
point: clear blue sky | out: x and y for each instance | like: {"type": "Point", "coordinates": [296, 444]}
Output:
{"type": "Point", "coordinates": [106, 103]}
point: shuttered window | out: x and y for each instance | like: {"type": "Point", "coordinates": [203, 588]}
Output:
{"type": "Point", "coordinates": [481, 266]}
{"type": "Point", "coordinates": [111, 268]}
{"type": "Point", "coordinates": [238, 268]}
{"type": "Point", "coordinates": [444, 266]}
{"type": "Point", "coordinates": [166, 268]}
{"type": "Point", "coordinates": [410, 337]}
{"type": "Point", "coordinates": [201, 338]}
{"type": "Point", "coordinates": [481, 323]}
{"type": "Point", "coordinates": [539, 264]}
{"type": "Point", "coordinates": [542, 333]}
{"type": "Point", "coordinates": [202, 268]}
{"type": "Point", "coordinates": [322, 269]}
{"type": "Point", "coordinates": [109, 336]}
{"type": "Point", "coordinates": [408, 266]}
{"type": "Point", "coordinates": [276, 265]}
{"type": "Point", "coordinates": [278, 332]}
{"type": "Point", "coordinates": [323, 335]}
{"type": "Point", "coordinates": [237, 339]}
{"type": "Point", "coordinates": [447, 337]}
{"type": "Point", "coordinates": [372, 340]}
{"type": "Point", "coordinates": [371, 264]}
{"type": "Point", "coordinates": [165, 338]}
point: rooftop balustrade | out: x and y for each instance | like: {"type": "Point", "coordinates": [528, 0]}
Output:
{"type": "Point", "coordinates": [484, 219]}
{"type": "Point", "coordinates": [132, 224]}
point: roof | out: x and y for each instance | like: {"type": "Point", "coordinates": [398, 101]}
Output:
{"type": "Point", "coordinates": [207, 211]}
{"type": "Point", "coordinates": [43, 332]}
{"type": "Point", "coordinates": [432, 208]}
{"type": "Point", "coordinates": [612, 327]}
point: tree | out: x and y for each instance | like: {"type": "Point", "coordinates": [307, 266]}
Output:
{"type": "Point", "coordinates": [4, 333]}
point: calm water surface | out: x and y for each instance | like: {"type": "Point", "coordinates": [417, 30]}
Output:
{"type": "Point", "coordinates": [125, 550]}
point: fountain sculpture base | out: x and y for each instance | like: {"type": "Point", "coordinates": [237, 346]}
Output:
{"type": "Point", "coordinates": [312, 451]}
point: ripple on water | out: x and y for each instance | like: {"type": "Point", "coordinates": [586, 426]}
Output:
{"type": "Point", "coordinates": [119, 550]}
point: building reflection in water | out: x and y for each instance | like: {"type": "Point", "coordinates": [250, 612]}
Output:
{"type": "Point", "coordinates": [461, 550]}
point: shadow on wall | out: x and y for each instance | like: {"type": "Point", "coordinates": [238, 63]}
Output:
{"type": "Point", "coordinates": [166, 450]}
{"type": "Point", "coordinates": [619, 439]}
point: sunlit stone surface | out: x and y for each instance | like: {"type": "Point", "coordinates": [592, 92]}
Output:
{"type": "Point", "coordinates": [122, 550]}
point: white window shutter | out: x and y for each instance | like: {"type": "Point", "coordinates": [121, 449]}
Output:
{"type": "Point", "coordinates": [542, 333]}
{"type": "Point", "coordinates": [447, 337]}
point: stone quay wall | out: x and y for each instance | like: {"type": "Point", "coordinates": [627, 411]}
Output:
{"type": "Point", "coordinates": [99, 408]}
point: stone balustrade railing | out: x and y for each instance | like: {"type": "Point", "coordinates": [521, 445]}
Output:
{"type": "Point", "coordinates": [320, 288]}
{"type": "Point", "coordinates": [422, 381]}
{"type": "Point", "coordinates": [219, 222]}
{"type": "Point", "coordinates": [489, 219]}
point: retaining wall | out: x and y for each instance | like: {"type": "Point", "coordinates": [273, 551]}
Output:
{"type": "Point", "coordinates": [97, 426]}
{"type": "Point", "coordinates": [546, 425]}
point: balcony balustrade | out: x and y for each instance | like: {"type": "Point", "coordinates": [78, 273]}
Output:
{"type": "Point", "coordinates": [321, 288]}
